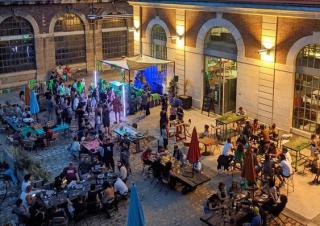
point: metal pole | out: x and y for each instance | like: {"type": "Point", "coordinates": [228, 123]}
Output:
{"type": "Point", "coordinates": [223, 91]}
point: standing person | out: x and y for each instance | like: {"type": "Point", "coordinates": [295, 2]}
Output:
{"type": "Point", "coordinates": [59, 113]}
{"type": "Point", "coordinates": [144, 100]}
{"type": "Point", "coordinates": [98, 120]}
{"type": "Point", "coordinates": [49, 107]}
{"type": "Point", "coordinates": [148, 105]}
{"type": "Point", "coordinates": [122, 171]}
{"type": "Point", "coordinates": [180, 113]}
{"type": "Point", "coordinates": [116, 103]}
{"type": "Point", "coordinates": [26, 182]}
{"type": "Point", "coordinates": [164, 135]}
{"type": "Point", "coordinates": [106, 118]}
{"type": "Point", "coordinates": [75, 148]}
{"type": "Point", "coordinates": [163, 118]}
{"type": "Point", "coordinates": [108, 153]}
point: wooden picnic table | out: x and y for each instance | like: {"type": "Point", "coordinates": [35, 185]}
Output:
{"type": "Point", "coordinates": [184, 174]}
{"type": "Point", "coordinates": [225, 120]}
{"type": "Point", "coordinates": [132, 134]}
{"type": "Point", "coordinates": [297, 144]}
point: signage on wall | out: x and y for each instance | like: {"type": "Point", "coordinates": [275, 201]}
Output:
{"type": "Point", "coordinates": [207, 105]}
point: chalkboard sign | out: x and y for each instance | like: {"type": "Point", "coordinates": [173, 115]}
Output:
{"type": "Point", "coordinates": [207, 104]}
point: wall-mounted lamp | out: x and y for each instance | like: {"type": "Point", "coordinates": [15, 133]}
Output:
{"type": "Point", "coordinates": [133, 29]}
{"type": "Point", "coordinates": [264, 51]}
{"type": "Point", "coordinates": [175, 37]}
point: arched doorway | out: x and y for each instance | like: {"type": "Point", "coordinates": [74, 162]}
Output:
{"type": "Point", "coordinates": [306, 106]}
{"type": "Point", "coordinates": [17, 51]}
{"type": "Point", "coordinates": [220, 69]}
{"type": "Point", "coordinates": [69, 38]}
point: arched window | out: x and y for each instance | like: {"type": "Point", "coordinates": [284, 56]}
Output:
{"type": "Point", "coordinates": [114, 38]}
{"type": "Point", "coordinates": [158, 42]}
{"type": "Point", "coordinates": [306, 113]}
{"type": "Point", "coordinates": [16, 45]}
{"type": "Point", "coordinates": [219, 39]}
{"type": "Point", "coordinates": [69, 38]}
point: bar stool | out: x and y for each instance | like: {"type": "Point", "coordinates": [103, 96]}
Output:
{"type": "Point", "coordinates": [289, 182]}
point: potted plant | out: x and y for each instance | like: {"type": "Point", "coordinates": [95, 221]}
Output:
{"type": "Point", "coordinates": [186, 100]}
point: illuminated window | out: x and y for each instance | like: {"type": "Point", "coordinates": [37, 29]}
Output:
{"type": "Point", "coordinates": [16, 45]}
{"type": "Point", "coordinates": [306, 114]}
{"type": "Point", "coordinates": [70, 48]}
{"type": "Point", "coordinates": [68, 22]}
{"type": "Point", "coordinates": [220, 39]}
{"type": "Point", "coordinates": [158, 42]}
{"type": "Point", "coordinates": [112, 23]}
{"type": "Point", "coordinates": [114, 44]}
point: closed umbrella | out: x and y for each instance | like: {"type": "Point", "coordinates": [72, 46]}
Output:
{"type": "Point", "coordinates": [27, 95]}
{"type": "Point", "coordinates": [34, 106]}
{"type": "Point", "coordinates": [194, 151]}
{"type": "Point", "coordinates": [135, 211]}
{"type": "Point", "coordinates": [248, 171]}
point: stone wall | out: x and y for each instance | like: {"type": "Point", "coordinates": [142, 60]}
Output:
{"type": "Point", "coordinates": [43, 17]}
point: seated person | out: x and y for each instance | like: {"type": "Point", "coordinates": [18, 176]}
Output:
{"type": "Point", "coordinates": [122, 171]}
{"type": "Point", "coordinates": [70, 173]}
{"type": "Point", "coordinates": [29, 137]}
{"type": "Point", "coordinates": [286, 153]}
{"type": "Point", "coordinates": [92, 198]}
{"type": "Point", "coordinates": [265, 135]}
{"type": "Point", "coordinates": [267, 167]}
{"type": "Point", "coordinates": [84, 166]}
{"type": "Point", "coordinates": [173, 113]}
{"type": "Point", "coordinates": [273, 132]}
{"type": "Point", "coordinates": [314, 145]}
{"type": "Point", "coordinates": [197, 166]}
{"type": "Point", "coordinates": [272, 150]}
{"type": "Point", "coordinates": [211, 203]}
{"type": "Point", "coordinates": [96, 165]}
{"type": "Point", "coordinates": [241, 112]}
{"type": "Point", "coordinates": [177, 154]}
{"type": "Point", "coordinates": [22, 213]}
{"type": "Point", "coordinates": [168, 176]}
{"type": "Point", "coordinates": [60, 182]}
{"type": "Point", "coordinates": [234, 189]}
{"type": "Point", "coordinates": [285, 170]}
{"type": "Point", "coordinates": [47, 136]}
{"type": "Point", "coordinates": [27, 197]}
{"type": "Point", "coordinates": [256, 219]}
{"type": "Point", "coordinates": [120, 187]}
{"type": "Point", "coordinates": [272, 193]}
{"type": "Point", "coordinates": [222, 192]}
{"type": "Point", "coordinates": [241, 140]}
{"type": "Point", "coordinates": [206, 132]}
{"type": "Point", "coordinates": [146, 156]}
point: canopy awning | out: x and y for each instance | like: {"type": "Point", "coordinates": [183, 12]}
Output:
{"type": "Point", "coordinates": [136, 62]}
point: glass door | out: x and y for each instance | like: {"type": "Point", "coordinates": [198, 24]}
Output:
{"type": "Point", "coordinates": [220, 83]}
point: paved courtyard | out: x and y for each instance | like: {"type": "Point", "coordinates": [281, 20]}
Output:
{"type": "Point", "coordinates": [163, 207]}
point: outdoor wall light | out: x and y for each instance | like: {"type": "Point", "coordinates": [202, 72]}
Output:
{"type": "Point", "coordinates": [175, 37]}
{"type": "Point", "coordinates": [133, 29]}
{"type": "Point", "coordinates": [264, 51]}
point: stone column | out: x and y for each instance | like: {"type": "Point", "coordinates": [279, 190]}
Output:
{"type": "Point", "coordinates": [137, 25]}
{"type": "Point", "coordinates": [180, 50]}
{"type": "Point", "coordinates": [267, 70]}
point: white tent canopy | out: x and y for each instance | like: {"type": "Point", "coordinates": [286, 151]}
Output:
{"type": "Point", "coordinates": [136, 62]}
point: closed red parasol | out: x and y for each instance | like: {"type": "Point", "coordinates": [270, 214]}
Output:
{"type": "Point", "coordinates": [194, 150]}
{"type": "Point", "coordinates": [248, 171]}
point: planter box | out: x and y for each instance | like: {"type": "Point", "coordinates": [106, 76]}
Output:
{"type": "Point", "coordinates": [186, 101]}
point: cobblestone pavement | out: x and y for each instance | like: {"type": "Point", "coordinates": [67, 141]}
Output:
{"type": "Point", "coordinates": [162, 207]}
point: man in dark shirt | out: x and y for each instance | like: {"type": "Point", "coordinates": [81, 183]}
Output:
{"type": "Point", "coordinates": [108, 153]}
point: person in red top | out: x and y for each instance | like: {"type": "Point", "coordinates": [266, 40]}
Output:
{"type": "Point", "coordinates": [47, 136]}
{"type": "Point", "coordinates": [117, 107]}
{"type": "Point", "coordinates": [146, 156]}
{"type": "Point", "coordinates": [71, 173]}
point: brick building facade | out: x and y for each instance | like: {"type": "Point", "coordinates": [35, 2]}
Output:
{"type": "Point", "coordinates": [271, 49]}
{"type": "Point", "coordinates": [59, 32]}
